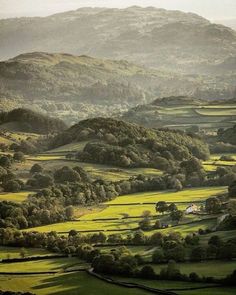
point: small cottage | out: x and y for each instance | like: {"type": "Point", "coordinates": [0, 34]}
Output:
{"type": "Point", "coordinates": [193, 208]}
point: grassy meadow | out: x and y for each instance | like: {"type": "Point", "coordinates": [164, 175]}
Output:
{"type": "Point", "coordinates": [15, 197]}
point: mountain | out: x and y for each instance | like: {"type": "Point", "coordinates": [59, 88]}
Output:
{"type": "Point", "coordinates": [118, 143]}
{"type": "Point", "coordinates": [183, 112]}
{"type": "Point", "coordinates": [154, 37]}
{"type": "Point", "coordinates": [76, 87]}
{"type": "Point", "coordinates": [227, 22]}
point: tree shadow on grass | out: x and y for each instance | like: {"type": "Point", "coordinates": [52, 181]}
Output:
{"type": "Point", "coordinates": [61, 284]}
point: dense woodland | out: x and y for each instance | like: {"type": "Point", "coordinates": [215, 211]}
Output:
{"type": "Point", "coordinates": [30, 121]}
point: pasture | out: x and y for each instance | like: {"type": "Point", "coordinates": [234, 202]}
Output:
{"type": "Point", "coordinates": [206, 268]}
{"type": "Point", "coordinates": [64, 284]}
{"type": "Point", "coordinates": [185, 196]}
{"type": "Point", "coordinates": [14, 252]}
{"type": "Point", "coordinates": [15, 197]}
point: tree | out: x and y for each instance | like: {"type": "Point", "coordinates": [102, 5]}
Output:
{"type": "Point", "coordinates": [139, 238]}
{"type": "Point", "coordinates": [104, 263]}
{"type": "Point", "coordinates": [158, 224]}
{"type": "Point", "coordinates": [158, 256]}
{"type": "Point", "coordinates": [147, 272]}
{"type": "Point", "coordinates": [176, 215]}
{"type": "Point", "coordinates": [232, 190]}
{"type": "Point", "coordinates": [198, 253]}
{"type": "Point", "coordinates": [178, 253]}
{"type": "Point", "coordinates": [157, 239]}
{"type": "Point", "coordinates": [22, 252]}
{"type": "Point", "coordinates": [19, 157]}
{"type": "Point", "coordinates": [65, 174]}
{"type": "Point", "coordinates": [12, 186]}
{"type": "Point", "coordinates": [215, 241]}
{"type": "Point", "coordinates": [69, 211]}
{"type": "Point", "coordinates": [213, 205]}
{"type": "Point", "coordinates": [5, 161]}
{"type": "Point", "coordinates": [161, 207]}
{"type": "Point", "coordinates": [145, 224]}
{"type": "Point", "coordinates": [36, 168]}
{"type": "Point", "coordinates": [172, 207]}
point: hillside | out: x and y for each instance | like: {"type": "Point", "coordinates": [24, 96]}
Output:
{"type": "Point", "coordinates": [122, 144]}
{"type": "Point", "coordinates": [74, 88]}
{"type": "Point", "coordinates": [155, 37]}
{"type": "Point", "coordinates": [77, 87]}
{"type": "Point", "coordinates": [183, 112]}
{"type": "Point", "coordinates": [24, 120]}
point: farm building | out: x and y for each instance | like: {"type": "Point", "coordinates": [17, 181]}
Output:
{"type": "Point", "coordinates": [193, 208]}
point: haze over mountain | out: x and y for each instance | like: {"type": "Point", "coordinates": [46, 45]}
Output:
{"type": "Point", "coordinates": [160, 38]}
{"type": "Point", "coordinates": [76, 87]}
{"type": "Point", "coordinates": [211, 9]}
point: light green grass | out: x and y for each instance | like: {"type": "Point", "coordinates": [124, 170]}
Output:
{"type": "Point", "coordinates": [45, 157]}
{"type": "Point", "coordinates": [14, 252]}
{"type": "Point", "coordinates": [217, 112]}
{"type": "Point", "coordinates": [14, 197]}
{"type": "Point", "coordinates": [54, 264]}
{"type": "Point", "coordinates": [187, 195]}
{"type": "Point", "coordinates": [89, 225]}
{"type": "Point", "coordinates": [64, 284]}
{"type": "Point", "coordinates": [72, 147]}
{"type": "Point", "coordinates": [217, 269]}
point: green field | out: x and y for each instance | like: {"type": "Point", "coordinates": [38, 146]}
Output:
{"type": "Point", "coordinates": [115, 209]}
{"type": "Point", "coordinates": [14, 252]}
{"type": "Point", "coordinates": [54, 264]}
{"type": "Point", "coordinates": [89, 226]}
{"type": "Point", "coordinates": [14, 197]}
{"type": "Point", "coordinates": [170, 285]}
{"type": "Point", "coordinates": [217, 269]}
{"type": "Point", "coordinates": [77, 283]}
{"type": "Point", "coordinates": [72, 147]}
{"type": "Point", "coordinates": [187, 195]}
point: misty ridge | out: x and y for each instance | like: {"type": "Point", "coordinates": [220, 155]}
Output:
{"type": "Point", "coordinates": [111, 59]}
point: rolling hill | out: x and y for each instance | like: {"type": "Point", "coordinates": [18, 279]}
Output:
{"type": "Point", "coordinates": [73, 88]}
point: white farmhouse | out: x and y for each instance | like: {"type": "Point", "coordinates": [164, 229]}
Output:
{"type": "Point", "coordinates": [192, 209]}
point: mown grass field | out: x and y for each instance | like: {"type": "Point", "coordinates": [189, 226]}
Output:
{"type": "Point", "coordinates": [72, 147]}
{"type": "Point", "coordinates": [14, 252]}
{"type": "Point", "coordinates": [187, 195]}
{"type": "Point", "coordinates": [15, 197]}
{"type": "Point", "coordinates": [217, 269]}
{"type": "Point", "coordinates": [115, 209]}
{"type": "Point", "coordinates": [64, 284]}
{"type": "Point", "coordinates": [86, 226]}
{"type": "Point", "coordinates": [175, 286]}
{"type": "Point", "coordinates": [54, 264]}
{"type": "Point", "coordinates": [214, 162]}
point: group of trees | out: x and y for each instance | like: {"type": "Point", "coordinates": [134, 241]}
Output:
{"type": "Point", "coordinates": [9, 182]}
{"type": "Point", "coordinates": [33, 122]}
{"type": "Point", "coordinates": [128, 145]}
